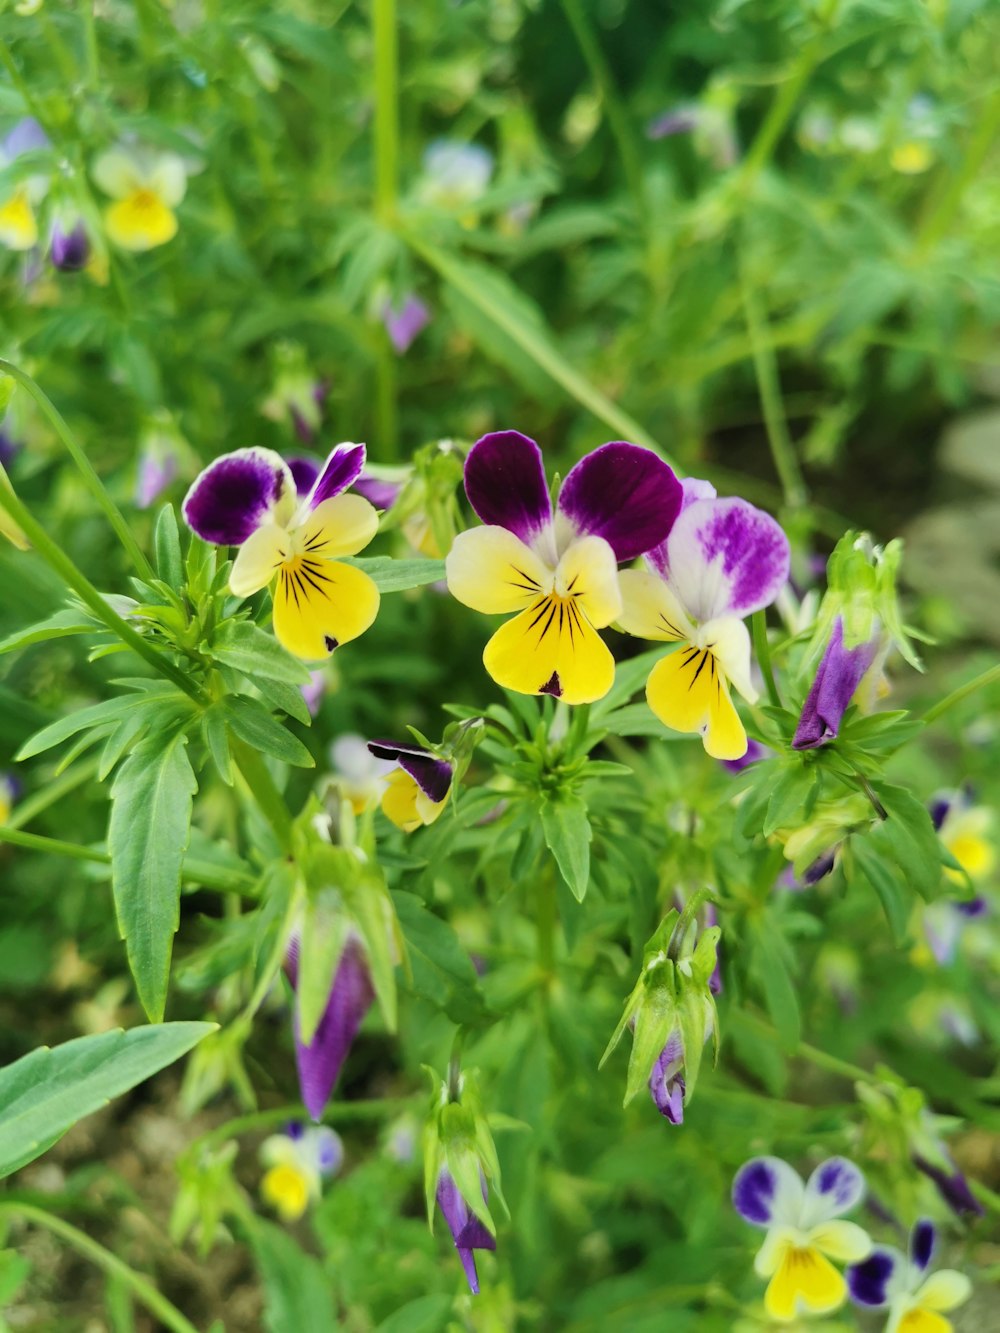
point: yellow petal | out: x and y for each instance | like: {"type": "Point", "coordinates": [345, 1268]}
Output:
{"type": "Point", "coordinates": [912, 158]}
{"type": "Point", "coordinates": [588, 572]}
{"type": "Point", "coordinates": [320, 604]}
{"type": "Point", "coordinates": [18, 228]}
{"type": "Point", "coordinates": [343, 525]}
{"type": "Point", "coordinates": [551, 649]}
{"type": "Point", "coordinates": [924, 1321]}
{"type": "Point", "coordinates": [286, 1189]}
{"type": "Point", "coordinates": [406, 805]}
{"type": "Point", "coordinates": [140, 221]}
{"type": "Point", "coordinates": [974, 854]}
{"type": "Point", "coordinates": [944, 1290]}
{"type": "Point", "coordinates": [845, 1241]}
{"type": "Point", "coordinates": [688, 692]}
{"type": "Point", "coordinates": [259, 559]}
{"type": "Point", "coordinates": [116, 173]}
{"type": "Point", "coordinates": [491, 570]}
{"type": "Point", "coordinates": [804, 1279]}
{"type": "Point", "coordinates": [649, 608]}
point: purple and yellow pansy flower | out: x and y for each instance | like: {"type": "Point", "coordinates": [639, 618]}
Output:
{"type": "Point", "coordinates": [298, 1162]}
{"type": "Point", "coordinates": [899, 1284]}
{"type": "Point", "coordinates": [249, 499]}
{"type": "Point", "coordinates": [18, 222]}
{"type": "Point", "coordinates": [805, 1231]}
{"type": "Point", "coordinates": [146, 185]}
{"type": "Point", "coordinates": [417, 790]}
{"type": "Point", "coordinates": [722, 560]}
{"type": "Point", "coordinates": [556, 571]}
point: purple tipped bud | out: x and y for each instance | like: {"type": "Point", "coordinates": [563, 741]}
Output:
{"type": "Point", "coordinates": [468, 1232]}
{"type": "Point", "coordinates": [951, 1185]}
{"type": "Point", "coordinates": [69, 248]}
{"type": "Point", "coordinates": [755, 752]}
{"type": "Point", "coordinates": [666, 1084]}
{"type": "Point", "coordinates": [837, 677]}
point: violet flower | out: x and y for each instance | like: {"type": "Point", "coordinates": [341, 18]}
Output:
{"type": "Point", "coordinates": [69, 246]}
{"type": "Point", "coordinates": [837, 678]}
{"type": "Point", "coordinates": [469, 1233]}
{"type": "Point", "coordinates": [351, 995]}
{"type": "Point", "coordinates": [403, 322]}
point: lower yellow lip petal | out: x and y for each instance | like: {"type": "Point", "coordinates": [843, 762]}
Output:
{"type": "Point", "coordinates": [18, 228]}
{"type": "Point", "coordinates": [320, 604]}
{"type": "Point", "coordinates": [551, 649]}
{"type": "Point", "coordinates": [688, 692]}
{"type": "Point", "coordinates": [804, 1279]}
{"type": "Point", "coordinates": [140, 221]}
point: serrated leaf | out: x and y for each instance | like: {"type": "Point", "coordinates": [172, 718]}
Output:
{"type": "Point", "coordinates": [252, 723]}
{"type": "Point", "coordinates": [567, 831]}
{"type": "Point", "coordinates": [780, 995]}
{"type": "Point", "coordinates": [908, 838]}
{"type": "Point", "coordinates": [48, 1091]}
{"type": "Point", "coordinates": [398, 575]}
{"type": "Point", "coordinates": [441, 969]}
{"type": "Point", "coordinates": [58, 626]}
{"type": "Point", "coordinates": [97, 715]}
{"type": "Point", "coordinates": [242, 645]}
{"type": "Point", "coordinates": [147, 837]}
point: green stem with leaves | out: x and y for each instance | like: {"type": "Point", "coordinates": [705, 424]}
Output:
{"type": "Point", "coordinates": [762, 648]}
{"type": "Point", "coordinates": [988, 677]}
{"type": "Point", "coordinates": [93, 482]}
{"type": "Point", "coordinates": [262, 788]}
{"type": "Point", "coordinates": [385, 40]}
{"type": "Point", "coordinates": [167, 1314]}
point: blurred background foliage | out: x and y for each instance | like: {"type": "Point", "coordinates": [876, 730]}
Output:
{"type": "Point", "coordinates": [762, 235]}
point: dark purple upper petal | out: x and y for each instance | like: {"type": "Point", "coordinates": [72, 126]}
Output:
{"type": "Point", "coordinates": [505, 483]}
{"type": "Point", "coordinates": [305, 470]}
{"type": "Point", "coordinates": [341, 469]}
{"type": "Point", "coordinates": [939, 808]}
{"type": "Point", "coordinates": [624, 494]}
{"type": "Point", "coordinates": [232, 497]}
{"type": "Point", "coordinates": [838, 1184]}
{"type": "Point", "coordinates": [837, 677]}
{"type": "Point", "coordinates": [351, 997]}
{"type": "Point", "coordinates": [382, 494]}
{"type": "Point", "coordinates": [922, 1240]}
{"type": "Point", "coordinates": [754, 1189]}
{"type": "Point", "coordinates": [868, 1280]}
{"type": "Point", "coordinates": [431, 774]}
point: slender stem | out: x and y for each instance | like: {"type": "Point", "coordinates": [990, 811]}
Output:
{"type": "Point", "coordinates": [813, 1054]}
{"type": "Point", "coordinates": [39, 843]}
{"type": "Point", "coordinates": [545, 904]}
{"type": "Point", "coordinates": [25, 811]}
{"type": "Point", "coordinates": [769, 388]}
{"type": "Point", "coordinates": [386, 418]}
{"type": "Point", "coordinates": [90, 477]}
{"type": "Point", "coordinates": [261, 786]}
{"type": "Point", "coordinates": [54, 556]}
{"type": "Point", "coordinates": [538, 347]}
{"type": "Point", "coordinates": [90, 43]}
{"type": "Point", "coordinates": [336, 1113]}
{"type": "Point", "coordinates": [21, 84]}
{"type": "Point", "coordinates": [763, 650]}
{"type": "Point", "coordinates": [167, 1314]}
{"type": "Point", "coordinates": [617, 116]}
{"type": "Point", "coordinates": [986, 677]}
{"type": "Point", "coordinates": [985, 1195]}
{"type": "Point", "coordinates": [385, 39]}
{"type": "Point", "coordinates": [938, 222]}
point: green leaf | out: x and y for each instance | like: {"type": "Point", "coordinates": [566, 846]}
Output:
{"type": "Point", "coordinates": [908, 839]}
{"type": "Point", "coordinates": [790, 793]}
{"type": "Point", "coordinates": [242, 645]}
{"type": "Point", "coordinates": [442, 971]}
{"type": "Point", "coordinates": [44, 1093]}
{"type": "Point", "coordinates": [427, 1314]}
{"type": "Point", "coordinates": [883, 877]}
{"type": "Point", "coordinates": [147, 837]}
{"type": "Point", "coordinates": [167, 547]}
{"type": "Point", "coordinates": [780, 996]}
{"type": "Point", "coordinates": [58, 626]}
{"type": "Point", "coordinates": [567, 835]}
{"type": "Point", "coordinates": [398, 575]}
{"type": "Point", "coordinates": [97, 715]}
{"type": "Point", "coordinates": [252, 723]}
{"type": "Point", "coordinates": [299, 1294]}
{"type": "Point", "coordinates": [216, 733]}
{"type": "Point", "coordinates": [287, 697]}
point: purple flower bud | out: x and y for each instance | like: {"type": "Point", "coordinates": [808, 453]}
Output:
{"type": "Point", "coordinates": [351, 995]}
{"type": "Point", "coordinates": [837, 677]}
{"type": "Point", "coordinates": [951, 1185]}
{"type": "Point", "coordinates": [678, 120]}
{"type": "Point", "coordinates": [9, 447]}
{"type": "Point", "coordinates": [468, 1232]}
{"type": "Point", "coordinates": [69, 248]}
{"type": "Point", "coordinates": [382, 494]}
{"type": "Point", "coordinates": [27, 136]}
{"type": "Point", "coordinates": [157, 469]}
{"type": "Point", "coordinates": [666, 1084]}
{"type": "Point", "coordinates": [403, 322]}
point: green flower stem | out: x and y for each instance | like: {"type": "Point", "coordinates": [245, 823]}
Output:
{"type": "Point", "coordinates": [207, 876]}
{"type": "Point", "coordinates": [821, 1059]}
{"type": "Point", "coordinates": [763, 651]}
{"type": "Point", "coordinates": [987, 677]}
{"type": "Point", "coordinates": [90, 477]}
{"type": "Point", "coordinates": [386, 417]}
{"type": "Point", "coordinates": [337, 1113]}
{"type": "Point", "coordinates": [539, 349]}
{"type": "Point", "coordinates": [90, 44]}
{"type": "Point", "coordinates": [985, 1195]}
{"type": "Point", "coordinates": [769, 388]}
{"type": "Point", "coordinates": [385, 40]}
{"type": "Point", "coordinates": [618, 121]}
{"type": "Point", "coordinates": [167, 1314]}
{"type": "Point", "coordinates": [56, 558]}
{"type": "Point", "coordinates": [261, 786]}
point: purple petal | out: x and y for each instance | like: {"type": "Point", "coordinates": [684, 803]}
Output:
{"type": "Point", "coordinates": [835, 1187]}
{"type": "Point", "coordinates": [468, 1259]}
{"type": "Point", "coordinates": [505, 483]}
{"type": "Point", "coordinates": [867, 1281]}
{"type": "Point", "coordinates": [351, 997]}
{"type": "Point", "coordinates": [624, 494]}
{"type": "Point", "coordinates": [9, 447]}
{"type": "Point", "coordinates": [341, 469]}
{"type": "Point", "coordinates": [972, 907]}
{"type": "Point", "coordinates": [305, 471]}
{"type": "Point", "coordinates": [939, 809]}
{"type": "Point", "coordinates": [725, 557]}
{"type": "Point", "coordinates": [69, 250]}
{"type": "Point", "coordinates": [678, 120]}
{"type": "Point", "coordinates": [820, 868]}
{"type": "Point", "coordinates": [26, 136]}
{"type": "Point", "coordinates": [467, 1231]}
{"type": "Point", "coordinates": [754, 1189]}
{"type": "Point", "coordinates": [665, 1082]}
{"type": "Point", "coordinates": [404, 322]}
{"type": "Point", "coordinates": [755, 752]}
{"type": "Point", "coordinates": [431, 774]}
{"type": "Point", "coordinates": [233, 496]}
{"type": "Point", "coordinates": [382, 494]}
{"type": "Point", "coordinates": [837, 677]}
{"type": "Point", "coordinates": [157, 469]}
{"type": "Point", "coordinates": [952, 1186]}
{"type": "Point", "coordinates": [922, 1241]}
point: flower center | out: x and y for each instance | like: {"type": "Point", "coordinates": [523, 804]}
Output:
{"type": "Point", "coordinates": [145, 201]}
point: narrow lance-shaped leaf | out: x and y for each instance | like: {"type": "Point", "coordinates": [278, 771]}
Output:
{"type": "Point", "coordinates": [147, 837]}
{"type": "Point", "coordinates": [567, 835]}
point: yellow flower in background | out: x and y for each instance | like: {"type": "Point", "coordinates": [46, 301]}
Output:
{"type": "Point", "coordinates": [18, 224]}
{"type": "Point", "coordinates": [912, 158]}
{"type": "Point", "coordinates": [298, 1161]}
{"type": "Point", "coordinates": [964, 830]}
{"type": "Point", "coordinates": [147, 185]}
